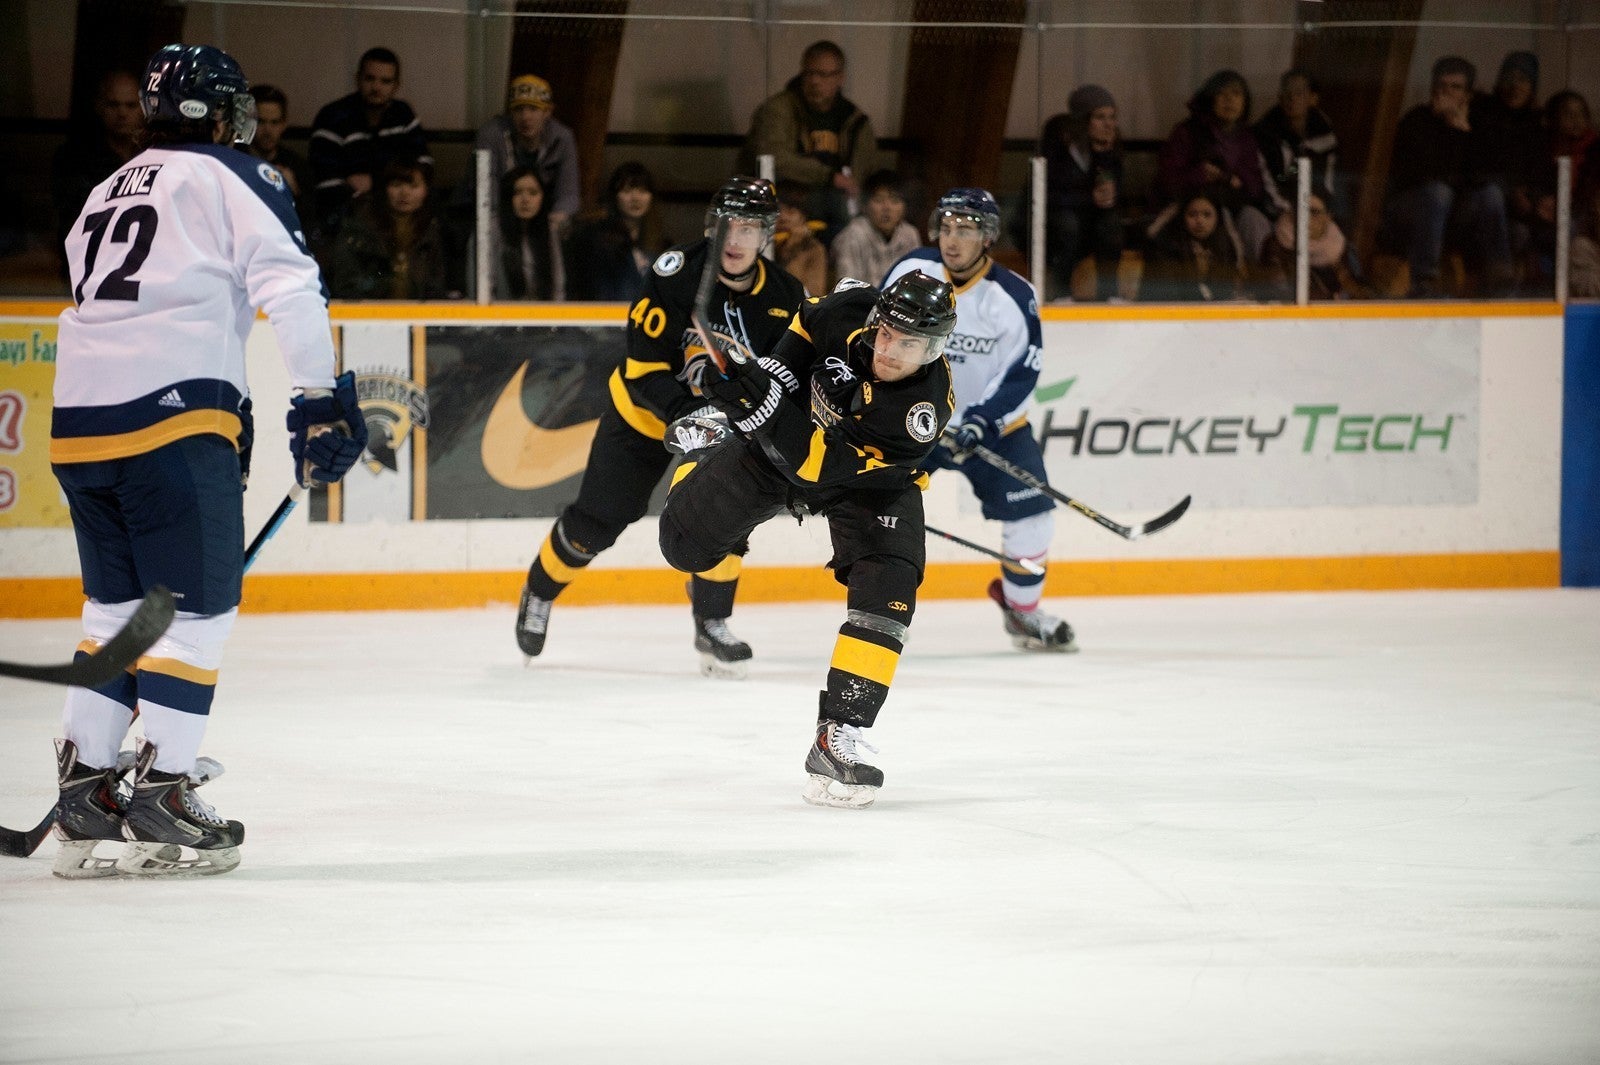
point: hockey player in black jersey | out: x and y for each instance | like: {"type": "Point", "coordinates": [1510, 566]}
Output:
{"type": "Point", "coordinates": [834, 421]}
{"type": "Point", "coordinates": [751, 306]}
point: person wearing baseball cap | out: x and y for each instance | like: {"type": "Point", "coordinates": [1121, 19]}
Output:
{"type": "Point", "coordinates": [528, 134]}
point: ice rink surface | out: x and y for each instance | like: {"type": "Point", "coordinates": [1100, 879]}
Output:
{"type": "Point", "coordinates": [1277, 829]}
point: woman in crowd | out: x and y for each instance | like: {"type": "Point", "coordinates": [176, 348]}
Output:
{"type": "Point", "coordinates": [1213, 149]}
{"type": "Point", "coordinates": [607, 258]}
{"type": "Point", "coordinates": [1196, 256]}
{"type": "Point", "coordinates": [1329, 274]}
{"type": "Point", "coordinates": [529, 266]}
{"type": "Point", "coordinates": [392, 247]}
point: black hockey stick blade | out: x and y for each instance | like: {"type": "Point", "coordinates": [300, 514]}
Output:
{"type": "Point", "coordinates": [1017, 565]}
{"type": "Point", "coordinates": [144, 628]}
{"type": "Point", "coordinates": [1161, 521]}
{"type": "Point", "coordinates": [14, 844]}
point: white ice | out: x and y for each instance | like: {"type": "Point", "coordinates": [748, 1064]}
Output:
{"type": "Point", "coordinates": [1332, 828]}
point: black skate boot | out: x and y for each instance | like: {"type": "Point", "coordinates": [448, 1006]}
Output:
{"type": "Point", "coordinates": [722, 654]}
{"type": "Point", "coordinates": [1033, 630]}
{"type": "Point", "coordinates": [166, 822]}
{"type": "Point", "coordinates": [837, 777]}
{"type": "Point", "coordinates": [533, 619]}
{"type": "Point", "coordinates": [90, 812]}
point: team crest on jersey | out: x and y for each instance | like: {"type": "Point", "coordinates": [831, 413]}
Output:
{"type": "Point", "coordinates": [270, 175]}
{"type": "Point", "coordinates": [669, 263]}
{"type": "Point", "coordinates": [922, 423]}
{"type": "Point", "coordinates": [849, 283]}
{"type": "Point", "coordinates": [391, 405]}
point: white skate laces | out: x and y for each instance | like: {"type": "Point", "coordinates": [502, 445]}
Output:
{"type": "Point", "coordinates": [717, 630]}
{"type": "Point", "coordinates": [843, 741]}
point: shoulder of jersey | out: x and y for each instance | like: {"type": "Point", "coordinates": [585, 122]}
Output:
{"type": "Point", "coordinates": [258, 174]}
{"type": "Point", "coordinates": [925, 260]}
{"type": "Point", "coordinates": [1014, 286]}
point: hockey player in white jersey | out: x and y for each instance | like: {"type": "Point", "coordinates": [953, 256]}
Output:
{"type": "Point", "coordinates": [994, 364]}
{"type": "Point", "coordinates": [150, 439]}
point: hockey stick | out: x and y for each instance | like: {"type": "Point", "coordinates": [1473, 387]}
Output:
{"type": "Point", "coordinates": [141, 630]}
{"type": "Point", "coordinates": [1127, 532]}
{"type": "Point", "coordinates": [14, 844]}
{"type": "Point", "coordinates": [702, 296]}
{"type": "Point", "coordinates": [285, 507]}
{"type": "Point", "coordinates": [1025, 565]}
{"type": "Point", "coordinates": [136, 636]}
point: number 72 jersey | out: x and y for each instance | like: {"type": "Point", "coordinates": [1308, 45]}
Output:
{"type": "Point", "coordinates": [168, 261]}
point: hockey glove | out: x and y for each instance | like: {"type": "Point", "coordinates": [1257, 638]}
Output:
{"type": "Point", "coordinates": [247, 439]}
{"type": "Point", "coordinates": [971, 433]}
{"type": "Point", "coordinates": [326, 431]}
{"type": "Point", "coordinates": [750, 396]}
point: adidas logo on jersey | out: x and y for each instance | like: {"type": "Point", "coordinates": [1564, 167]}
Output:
{"type": "Point", "coordinates": [171, 399]}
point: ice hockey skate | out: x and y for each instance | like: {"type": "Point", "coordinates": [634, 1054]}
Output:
{"type": "Point", "coordinates": [836, 775]}
{"type": "Point", "coordinates": [89, 817]}
{"type": "Point", "coordinates": [533, 618]}
{"type": "Point", "coordinates": [1033, 630]}
{"type": "Point", "coordinates": [722, 654]}
{"type": "Point", "coordinates": [171, 831]}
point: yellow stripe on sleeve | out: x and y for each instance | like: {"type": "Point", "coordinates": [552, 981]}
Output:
{"type": "Point", "coordinates": [811, 468]}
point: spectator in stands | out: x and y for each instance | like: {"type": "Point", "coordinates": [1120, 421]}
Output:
{"type": "Point", "coordinates": [816, 136]}
{"type": "Point", "coordinates": [1433, 195]}
{"type": "Point", "coordinates": [1507, 149]}
{"type": "Point", "coordinates": [356, 137]}
{"type": "Point", "coordinates": [391, 246]}
{"type": "Point", "coordinates": [608, 256]}
{"type": "Point", "coordinates": [877, 238]}
{"type": "Point", "coordinates": [1083, 191]}
{"type": "Point", "coordinates": [1197, 257]}
{"type": "Point", "coordinates": [1294, 127]}
{"type": "Point", "coordinates": [795, 244]}
{"type": "Point", "coordinates": [1583, 268]}
{"type": "Point", "coordinates": [1571, 133]}
{"type": "Point", "coordinates": [1214, 150]}
{"type": "Point", "coordinates": [272, 118]}
{"type": "Point", "coordinates": [1329, 276]}
{"type": "Point", "coordinates": [88, 158]}
{"type": "Point", "coordinates": [529, 135]}
{"type": "Point", "coordinates": [530, 261]}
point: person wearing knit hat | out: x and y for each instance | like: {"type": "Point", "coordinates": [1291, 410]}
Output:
{"type": "Point", "coordinates": [1083, 192]}
{"type": "Point", "coordinates": [1508, 150]}
{"type": "Point", "coordinates": [528, 134]}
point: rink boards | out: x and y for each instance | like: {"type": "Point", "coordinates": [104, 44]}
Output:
{"type": "Point", "coordinates": [1337, 447]}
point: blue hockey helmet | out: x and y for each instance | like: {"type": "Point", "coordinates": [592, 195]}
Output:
{"type": "Point", "coordinates": [192, 85]}
{"type": "Point", "coordinates": [975, 204]}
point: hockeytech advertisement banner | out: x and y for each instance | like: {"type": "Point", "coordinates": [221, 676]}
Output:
{"type": "Point", "coordinates": [29, 494]}
{"type": "Point", "coordinates": [1270, 413]}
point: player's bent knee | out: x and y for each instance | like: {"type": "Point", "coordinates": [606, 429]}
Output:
{"type": "Point", "coordinates": [885, 587]}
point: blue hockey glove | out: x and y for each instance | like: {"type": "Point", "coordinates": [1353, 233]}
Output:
{"type": "Point", "coordinates": [962, 439]}
{"type": "Point", "coordinates": [326, 432]}
{"type": "Point", "coordinates": [247, 439]}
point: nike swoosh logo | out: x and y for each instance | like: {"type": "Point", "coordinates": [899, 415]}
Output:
{"type": "Point", "coordinates": [519, 454]}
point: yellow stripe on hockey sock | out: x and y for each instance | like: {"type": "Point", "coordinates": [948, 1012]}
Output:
{"type": "Point", "coordinates": [172, 667]}
{"type": "Point", "coordinates": [552, 565]}
{"type": "Point", "coordinates": [726, 570]}
{"type": "Point", "coordinates": [865, 659]}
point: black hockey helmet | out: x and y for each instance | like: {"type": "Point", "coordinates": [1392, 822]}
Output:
{"type": "Point", "coordinates": [920, 305]}
{"type": "Point", "coordinates": [745, 197]}
{"type": "Point", "coordinates": [191, 85]}
{"type": "Point", "coordinates": [976, 204]}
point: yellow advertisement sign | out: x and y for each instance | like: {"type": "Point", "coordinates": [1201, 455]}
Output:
{"type": "Point", "coordinates": [29, 495]}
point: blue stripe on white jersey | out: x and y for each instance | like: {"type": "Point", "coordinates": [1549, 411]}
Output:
{"type": "Point", "coordinates": [994, 352]}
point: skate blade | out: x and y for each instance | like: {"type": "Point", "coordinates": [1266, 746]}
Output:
{"type": "Point", "coordinates": [171, 860]}
{"type": "Point", "coordinates": [1033, 643]}
{"type": "Point", "coordinates": [825, 791]}
{"type": "Point", "coordinates": [712, 666]}
{"type": "Point", "coordinates": [76, 859]}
